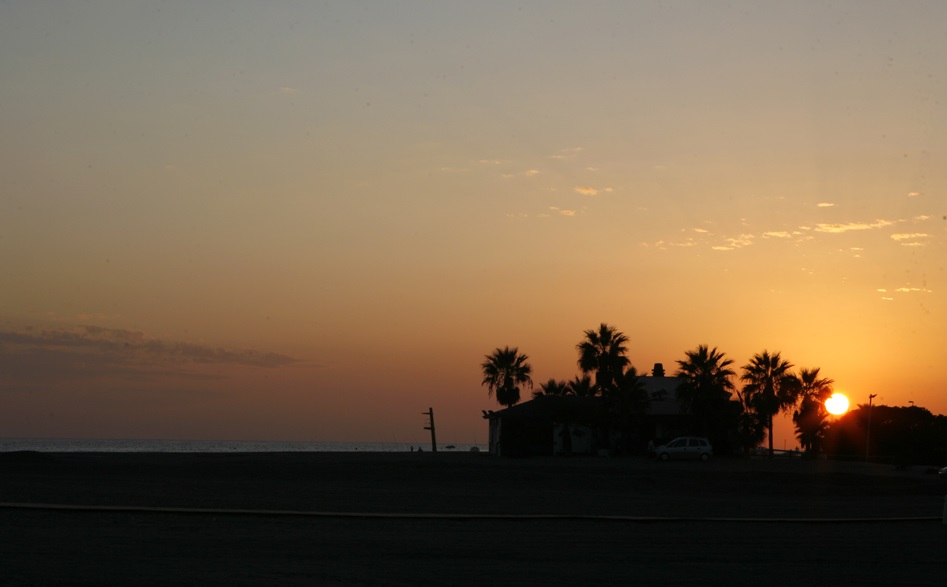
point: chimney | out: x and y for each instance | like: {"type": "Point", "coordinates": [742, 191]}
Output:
{"type": "Point", "coordinates": [658, 370]}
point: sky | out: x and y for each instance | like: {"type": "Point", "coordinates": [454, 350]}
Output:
{"type": "Point", "coordinates": [312, 220]}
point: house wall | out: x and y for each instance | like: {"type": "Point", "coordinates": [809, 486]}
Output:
{"type": "Point", "coordinates": [494, 435]}
{"type": "Point", "coordinates": [572, 439]}
{"type": "Point", "coordinates": [523, 438]}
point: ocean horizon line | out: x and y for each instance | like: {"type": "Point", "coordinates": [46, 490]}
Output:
{"type": "Point", "coordinates": [217, 446]}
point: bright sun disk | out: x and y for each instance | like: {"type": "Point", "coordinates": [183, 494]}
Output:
{"type": "Point", "coordinates": [837, 404]}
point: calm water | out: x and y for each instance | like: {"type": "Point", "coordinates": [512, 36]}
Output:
{"type": "Point", "coordinates": [111, 445]}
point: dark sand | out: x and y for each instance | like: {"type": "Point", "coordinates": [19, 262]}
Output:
{"type": "Point", "coordinates": [887, 526]}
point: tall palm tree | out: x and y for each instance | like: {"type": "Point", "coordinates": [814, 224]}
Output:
{"type": "Point", "coordinates": [811, 417]}
{"type": "Point", "coordinates": [705, 390]}
{"type": "Point", "coordinates": [752, 429]}
{"type": "Point", "coordinates": [504, 371]}
{"type": "Point", "coordinates": [625, 407]}
{"type": "Point", "coordinates": [769, 388]}
{"type": "Point", "coordinates": [631, 395]}
{"type": "Point", "coordinates": [581, 386]}
{"type": "Point", "coordinates": [629, 398]}
{"type": "Point", "coordinates": [705, 379]}
{"type": "Point", "coordinates": [603, 352]}
{"type": "Point", "coordinates": [553, 387]}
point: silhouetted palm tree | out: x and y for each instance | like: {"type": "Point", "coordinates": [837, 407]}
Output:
{"type": "Point", "coordinates": [504, 371]}
{"type": "Point", "coordinates": [553, 387]}
{"type": "Point", "coordinates": [769, 387]}
{"type": "Point", "coordinates": [751, 428]}
{"type": "Point", "coordinates": [623, 413]}
{"type": "Point", "coordinates": [705, 390]}
{"type": "Point", "coordinates": [631, 396]}
{"type": "Point", "coordinates": [811, 417]}
{"type": "Point", "coordinates": [603, 352]}
{"type": "Point", "coordinates": [581, 386]}
{"type": "Point", "coordinates": [705, 379]}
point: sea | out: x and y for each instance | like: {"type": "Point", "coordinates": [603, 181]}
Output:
{"type": "Point", "coordinates": [216, 446]}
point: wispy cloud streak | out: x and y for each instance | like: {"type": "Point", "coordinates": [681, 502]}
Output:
{"type": "Point", "coordinates": [92, 352]}
{"type": "Point", "coordinates": [850, 226]}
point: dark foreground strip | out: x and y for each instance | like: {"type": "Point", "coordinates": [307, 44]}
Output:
{"type": "Point", "coordinates": [419, 516]}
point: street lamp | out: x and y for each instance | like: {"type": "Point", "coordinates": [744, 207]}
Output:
{"type": "Point", "coordinates": [868, 434]}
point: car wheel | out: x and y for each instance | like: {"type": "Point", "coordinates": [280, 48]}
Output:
{"type": "Point", "coordinates": [704, 456]}
{"type": "Point", "coordinates": [663, 456]}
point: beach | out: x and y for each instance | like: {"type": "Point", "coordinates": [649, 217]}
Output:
{"type": "Point", "coordinates": [462, 519]}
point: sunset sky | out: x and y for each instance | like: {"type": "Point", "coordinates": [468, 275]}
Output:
{"type": "Point", "coordinates": [311, 220]}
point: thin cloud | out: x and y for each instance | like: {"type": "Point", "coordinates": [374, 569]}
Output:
{"type": "Point", "coordinates": [287, 90]}
{"type": "Point", "coordinates": [561, 212]}
{"type": "Point", "coordinates": [909, 236]}
{"type": "Point", "coordinates": [85, 317]}
{"type": "Point", "coordinates": [744, 240]}
{"type": "Point", "coordinates": [90, 352]}
{"type": "Point", "coordinates": [663, 245]}
{"type": "Point", "coordinates": [707, 239]}
{"type": "Point", "coordinates": [729, 243]}
{"type": "Point", "coordinates": [531, 172]}
{"type": "Point", "coordinates": [840, 228]}
{"type": "Point", "coordinates": [913, 194]}
{"type": "Point", "coordinates": [777, 234]}
{"type": "Point", "coordinates": [590, 191]}
{"type": "Point", "coordinates": [566, 153]}
{"type": "Point", "coordinates": [901, 290]}
{"type": "Point", "coordinates": [825, 205]}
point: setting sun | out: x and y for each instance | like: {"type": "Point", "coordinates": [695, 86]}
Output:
{"type": "Point", "coordinates": [837, 404]}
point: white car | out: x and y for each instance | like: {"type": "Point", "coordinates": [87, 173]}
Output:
{"type": "Point", "coordinates": [685, 447]}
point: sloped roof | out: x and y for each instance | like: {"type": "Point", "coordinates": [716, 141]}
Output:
{"type": "Point", "coordinates": [553, 409]}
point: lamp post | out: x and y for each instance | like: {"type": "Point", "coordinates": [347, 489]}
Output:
{"type": "Point", "coordinates": [868, 434]}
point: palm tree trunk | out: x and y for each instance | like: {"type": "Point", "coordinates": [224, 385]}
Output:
{"type": "Point", "coordinates": [770, 426]}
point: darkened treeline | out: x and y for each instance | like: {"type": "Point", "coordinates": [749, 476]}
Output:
{"type": "Point", "coordinates": [903, 435]}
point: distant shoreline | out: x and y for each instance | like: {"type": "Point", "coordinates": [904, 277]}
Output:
{"type": "Point", "coordinates": [216, 446]}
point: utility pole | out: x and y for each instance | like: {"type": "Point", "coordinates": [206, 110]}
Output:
{"type": "Point", "coordinates": [868, 434]}
{"type": "Point", "coordinates": [430, 414]}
